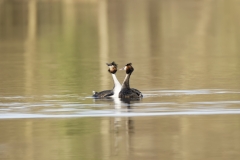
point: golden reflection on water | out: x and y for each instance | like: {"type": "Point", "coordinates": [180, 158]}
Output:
{"type": "Point", "coordinates": [176, 137]}
{"type": "Point", "coordinates": [61, 47]}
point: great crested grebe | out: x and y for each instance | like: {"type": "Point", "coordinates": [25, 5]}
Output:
{"type": "Point", "coordinates": [117, 86]}
{"type": "Point", "coordinates": [126, 91]}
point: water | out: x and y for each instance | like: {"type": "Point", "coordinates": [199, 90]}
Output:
{"type": "Point", "coordinates": [186, 59]}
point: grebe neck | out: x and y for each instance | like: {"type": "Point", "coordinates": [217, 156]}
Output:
{"type": "Point", "coordinates": [117, 86]}
{"type": "Point", "coordinates": [115, 80]}
{"type": "Point", "coordinates": [126, 81]}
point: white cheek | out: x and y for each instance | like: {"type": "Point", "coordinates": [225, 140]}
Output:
{"type": "Point", "coordinates": [125, 67]}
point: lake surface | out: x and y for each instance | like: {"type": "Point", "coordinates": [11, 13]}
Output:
{"type": "Point", "coordinates": [186, 57]}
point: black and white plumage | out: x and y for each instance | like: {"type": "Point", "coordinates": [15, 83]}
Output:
{"type": "Point", "coordinates": [117, 86]}
{"type": "Point", "coordinates": [126, 91]}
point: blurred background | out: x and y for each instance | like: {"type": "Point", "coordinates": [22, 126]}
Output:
{"type": "Point", "coordinates": [49, 45]}
{"type": "Point", "coordinates": [186, 55]}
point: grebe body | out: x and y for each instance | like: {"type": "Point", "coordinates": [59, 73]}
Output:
{"type": "Point", "coordinates": [117, 86]}
{"type": "Point", "coordinates": [126, 91]}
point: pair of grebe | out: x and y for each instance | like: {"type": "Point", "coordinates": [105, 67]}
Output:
{"type": "Point", "coordinates": [121, 91]}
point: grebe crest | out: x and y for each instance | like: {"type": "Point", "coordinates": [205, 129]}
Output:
{"type": "Point", "coordinates": [112, 67]}
{"type": "Point", "coordinates": [128, 68]}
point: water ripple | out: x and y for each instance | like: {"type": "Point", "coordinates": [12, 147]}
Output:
{"type": "Point", "coordinates": [72, 105]}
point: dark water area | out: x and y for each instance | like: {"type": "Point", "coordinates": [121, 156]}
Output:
{"type": "Point", "coordinates": [186, 59]}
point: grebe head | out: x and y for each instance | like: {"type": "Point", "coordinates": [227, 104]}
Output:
{"type": "Point", "coordinates": [128, 68]}
{"type": "Point", "coordinates": [112, 67]}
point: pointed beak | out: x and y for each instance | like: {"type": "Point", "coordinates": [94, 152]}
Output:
{"type": "Point", "coordinates": [121, 68]}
